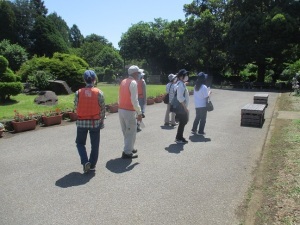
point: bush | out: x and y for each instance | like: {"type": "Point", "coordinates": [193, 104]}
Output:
{"type": "Point", "coordinates": [10, 88]}
{"type": "Point", "coordinates": [40, 80]}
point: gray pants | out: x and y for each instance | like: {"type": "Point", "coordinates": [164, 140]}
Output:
{"type": "Point", "coordinates": [128, 125]}
{"type": "Point", "coordinates": [167, 116]}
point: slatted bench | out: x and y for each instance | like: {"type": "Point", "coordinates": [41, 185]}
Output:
{"type": "Point", "coordinates": [261, 99]}
{"type": "Point", "coordinates": [253, 115]}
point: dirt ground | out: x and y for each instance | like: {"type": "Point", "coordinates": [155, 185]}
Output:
{"type": "Point", "coordinates": [274, 197]}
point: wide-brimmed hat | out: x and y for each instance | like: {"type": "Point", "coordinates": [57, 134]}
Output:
{"type": "Point", "coordinates": [134, 69]}
{"type": "Point", "coordinates": [171, 77]}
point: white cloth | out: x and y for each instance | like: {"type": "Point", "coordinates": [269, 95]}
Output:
{"type": "Point", "coordinates": [182, 93]}
{"type": "Point", "coordinates": [200, 96]}
{"type": "Point", "coordinates": [171, 90]}
{"type": "Point", "coordinates": [134, 96]}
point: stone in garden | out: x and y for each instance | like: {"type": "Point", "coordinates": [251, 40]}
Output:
{"type": "Point", "coordinates": [46, 98]}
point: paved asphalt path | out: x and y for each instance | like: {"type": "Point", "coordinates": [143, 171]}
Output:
{"type": "Point", "coordinates": [202, 182]}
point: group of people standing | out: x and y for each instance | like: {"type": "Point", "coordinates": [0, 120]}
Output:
{"type": "Point", "coordinates": [176, 88]}
{"type": "Point", "coordinates": [90, 106]}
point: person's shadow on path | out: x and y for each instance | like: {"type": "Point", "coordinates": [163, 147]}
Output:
{"type": "Point", "coordinates": [74, 179]}
{"type": "Point", "coordinates": [175, 148]}
{"type": "Point", "coordinates": [200, 138]}
{"type": "Point", "coordinates": [120, 165]}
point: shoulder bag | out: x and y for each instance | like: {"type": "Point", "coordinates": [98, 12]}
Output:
{"type": "Point", "coordinates": [167, 96]}
{"type": "Point", "coordinates": [209, 105]}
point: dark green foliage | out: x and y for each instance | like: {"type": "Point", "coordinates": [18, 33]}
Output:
{"type": "Point", "coordinates": [40, 80]}
{"type": "Point", "coordinates": [9, 82]}
{"type": "Point", "coordinates": [76, 38]}
{"type": "Point", "coordinates": [3, 64]}
{"type": "Point", "coordinates": [14, 53]}
{"type": "Point", "coordinates": [69, 68]}
{"type": "Point", "coordinates": [8, 89]}
{"type": "Point", "coordinates": [8, 21]}
{"type": "Point", "coordinates": [47, 39]}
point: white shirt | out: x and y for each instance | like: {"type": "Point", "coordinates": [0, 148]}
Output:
{"type": "Point", "coordinates": [182, 93]}
{"type": "Point", "coordinates": [170, 90]}
{"type": "Point", "coordinates": [200, 96]}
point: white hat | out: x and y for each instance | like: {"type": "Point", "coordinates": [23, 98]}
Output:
{"type": "Point", "coordinates": [171, 77]}
{"type": "Point", "coordinates": [134, 69]}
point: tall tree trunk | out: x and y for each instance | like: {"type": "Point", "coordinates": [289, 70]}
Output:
{"type": "Point", "coordinates": [261, 71]}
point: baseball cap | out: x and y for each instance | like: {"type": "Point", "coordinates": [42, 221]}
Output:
{"type": "Point", "coordinates": [182, 72]}
{"type": "Point", "coordinates": [89, 76]}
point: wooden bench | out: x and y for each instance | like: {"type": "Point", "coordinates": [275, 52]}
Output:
{"type": "Point", "coordinates": [261, 99]}
{"type": "Point", "coordinates": [253, 115]}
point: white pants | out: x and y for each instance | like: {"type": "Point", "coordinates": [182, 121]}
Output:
{"type": "Point", "coordinates": [128, 124]}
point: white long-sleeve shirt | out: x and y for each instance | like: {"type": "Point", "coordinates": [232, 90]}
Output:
{"type": "Point", "coordinates": [182, 93]}
{"type": "Point", "coordinates": [134, 96]}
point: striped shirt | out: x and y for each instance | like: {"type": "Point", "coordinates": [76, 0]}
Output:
{"type": "Point", "coordinates": [91, 123]}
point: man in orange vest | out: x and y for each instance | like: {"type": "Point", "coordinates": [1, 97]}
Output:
{"type": "Point", "coordinates": [129, 110]}
{"type": "Point", "coordinates": [142, 97]}
{"type": "Point", "coordinates": [90, 106]}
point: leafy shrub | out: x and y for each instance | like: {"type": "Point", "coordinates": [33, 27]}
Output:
{"type": "Point", "coordinates": [249, 73]}
{"type": "Point", "coordinates": [66, 67]}
{"type": "Point", "coordinates": [290, 71]}
{"type": "Point", "coordinates": [10, 88]}
{"type": "Point", "coordinates": [40, 80]}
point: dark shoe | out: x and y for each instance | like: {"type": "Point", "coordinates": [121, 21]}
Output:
{"type": "Point", "coordinates": [181, 141]}
{"type": "Point", "coordinates": [166, 124]}
{"type": "Point", "coordinates": [134, 151]}
{"type": "Point", "coordinates": [143, 115]}
{"type": "Point", "coordinates": [193, 132]}
{"type": "Point", "coordinates": [173, 125]}
{"type": "Point", "coordinates": [129, 156]}
{"type": "Point", "coordinates": [93, 168]}
{"type": "Point", "coordinates": [86, 167]}
{"type": "Point", "coordinates": [201, 133]}
{"type": "Point", "coordinates": [138, 129]}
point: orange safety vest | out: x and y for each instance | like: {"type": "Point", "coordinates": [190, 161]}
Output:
{"type": "Point", "coordinates": [88, 107]}
{"type": "Point", "coordinates": [140, 88]}
{"type": "Point", "coordinates": [125, 95]}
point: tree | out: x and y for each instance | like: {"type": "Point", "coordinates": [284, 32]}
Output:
{"type": "Point", "coordinates": [96, 38]}
{"type": "Point", "coordinates": [8, 21]}
{"type": "Point", "coordinates": [61, 26]}
{"type": "Point", "coordinates": [14, 53]}
{"type": "Point", "coordinates": [9, 82]}
{"type": "Point", "coordinates": [46, 39]}
{"type": "Point", "coordinates": [260, 30]}
{"type": "Point", "coordinates": [76, 38]}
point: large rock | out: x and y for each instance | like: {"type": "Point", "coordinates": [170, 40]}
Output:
{"type": "Point", "coordinates": [46, 98]}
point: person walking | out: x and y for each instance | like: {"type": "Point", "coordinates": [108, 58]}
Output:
{"type": "Point", "coordinates": [201, 94]}
{"type": "Point", "coordinates": [90, 106]}
{"type": "Point", "coordinates": [182, 95]}
{"type": "Point", "coordinates": [130, 111]}
{"type": "Point", "coordinates": [142, 97]}
{"type": "Point", "coordinates": [170, 89]}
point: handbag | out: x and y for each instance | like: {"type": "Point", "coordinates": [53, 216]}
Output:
{"type": "Point", "coordinates": [167, 96]}
{"type": "Point", "coordinates": [176, 107]}
{"type": "Point", "coordinates": [209, 105]}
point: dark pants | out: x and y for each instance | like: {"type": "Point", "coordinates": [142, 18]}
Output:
{"type": "Point", "coordinates": [201, 114]}
{"type": "Point", "coordinates": [182, 119]}
{"type": "Point", "coordinates": [81, 142]}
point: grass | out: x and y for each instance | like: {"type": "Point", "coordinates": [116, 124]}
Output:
{"type": "Point", "coordinates": [276, 188]}
{"type": "Point", "coordinates": [24, 104]}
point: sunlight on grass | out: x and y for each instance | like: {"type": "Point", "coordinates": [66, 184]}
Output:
{"type": "Point", "coordinates": [24, 104]}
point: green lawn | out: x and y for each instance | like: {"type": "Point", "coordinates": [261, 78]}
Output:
{"type": "Point", "coordinates": [24, 104]}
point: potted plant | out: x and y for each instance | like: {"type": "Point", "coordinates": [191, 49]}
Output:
{"type": "Point", "coordinates": [1, 129]}
{"type": "Point", "coordinates": [158, 99]}
{"type": "Point", "coordinates": [150, 100]}
{"type": "Point", "coordinates": [23, 122]}
{"type": "Point", "coordinates": [52, 117]}
{"type": "Point", "coordinates": [113, 108]}
{"type": "Point", "coordinates": [72, 114]}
